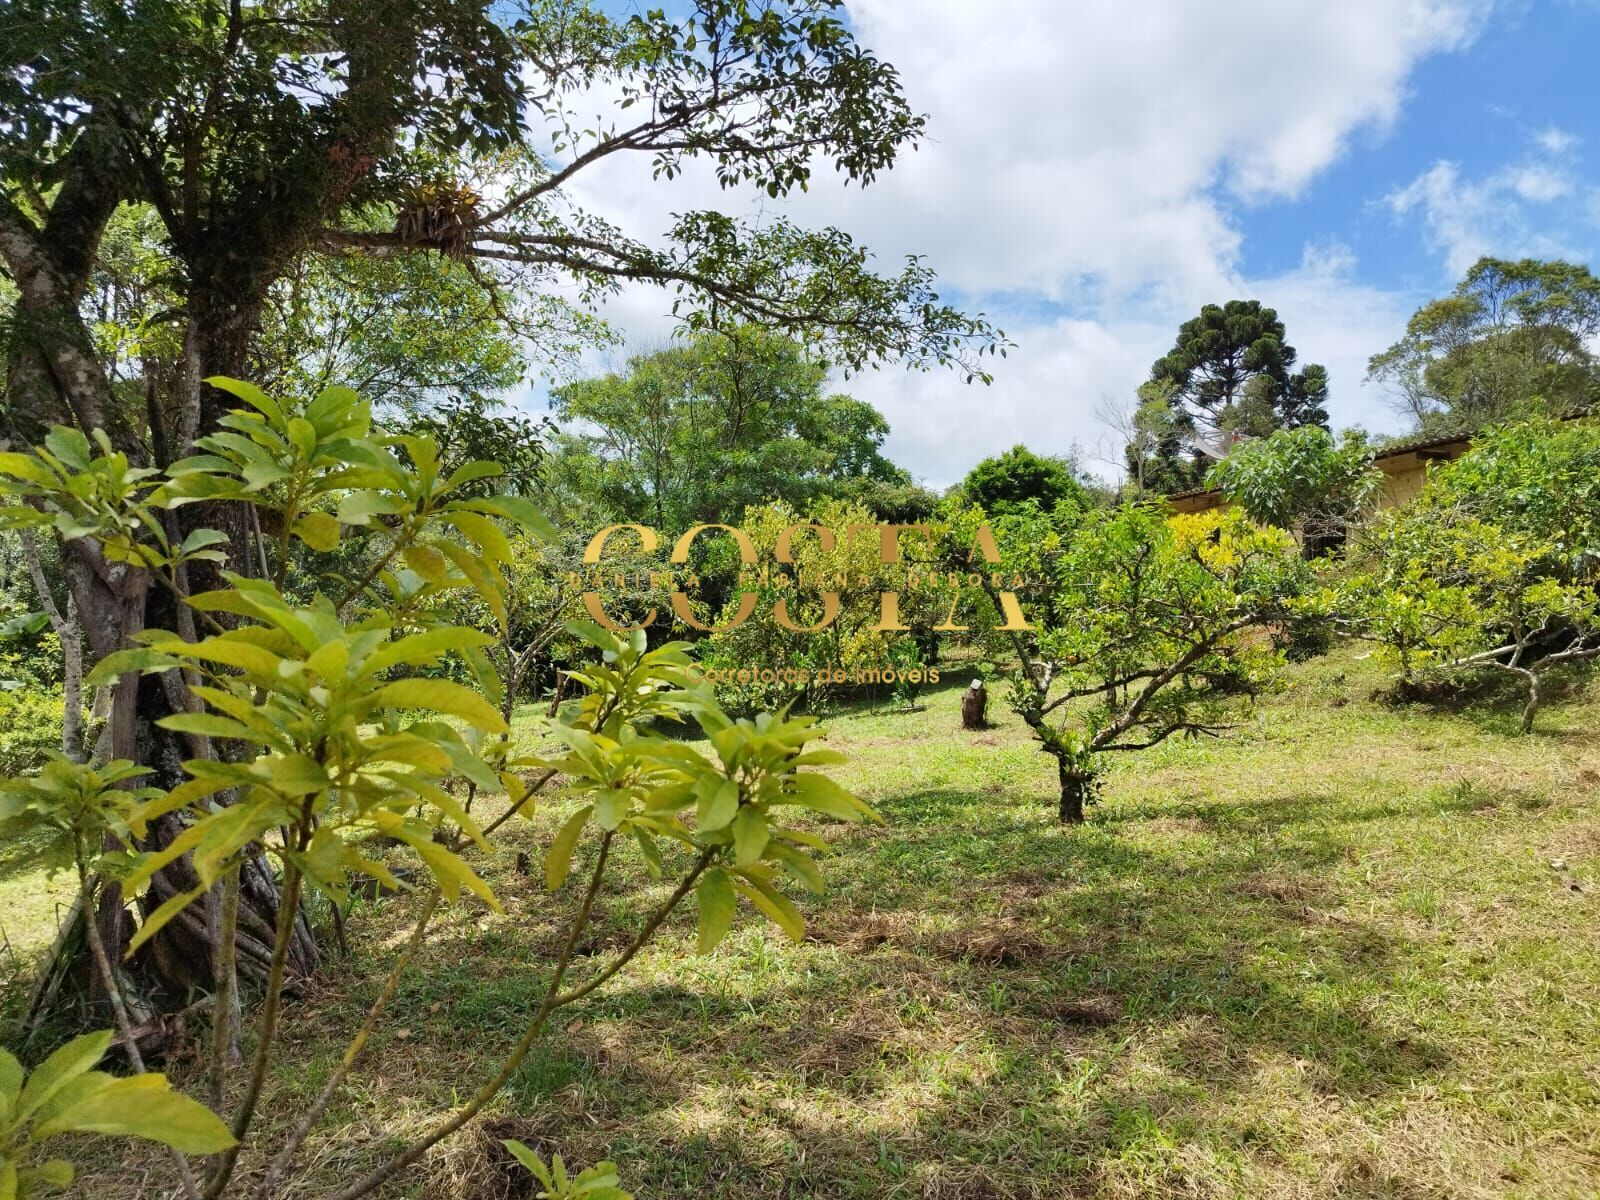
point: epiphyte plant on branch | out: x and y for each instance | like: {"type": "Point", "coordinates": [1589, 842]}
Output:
{"type": "Point", "coordinates": [312, 727]}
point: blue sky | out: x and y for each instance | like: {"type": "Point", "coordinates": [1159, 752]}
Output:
{"type": "Point", "coordinates": [1095, 171]}
{"type": "Point", "coordinates": [1483, 107]}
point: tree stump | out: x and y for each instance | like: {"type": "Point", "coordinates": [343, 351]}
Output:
{"type": "Point", "coordinates": [974, 702]}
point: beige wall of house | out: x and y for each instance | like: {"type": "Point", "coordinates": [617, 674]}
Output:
{"type": "Point", "coordinates": [1404, 467]}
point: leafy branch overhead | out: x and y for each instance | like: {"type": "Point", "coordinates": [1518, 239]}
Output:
{"type": "Point", "coordinates": [458, 128]}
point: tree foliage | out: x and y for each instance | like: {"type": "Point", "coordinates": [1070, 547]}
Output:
{"type": "Point", "coordinates": [1229, 374]}
{"type": "Point", "coordinates": [698, 432]}
{"type": "Point", "coordinates": [318, 726]}
{"type": "Point", "coordinates": [1511, 335]}
{"type": "Point", "coordinates": [244, 143]}
{"type": "Point", "coordinates": [1494, 568]}
{"type": "Point", "coordinates": [1019, 476]}
{"type": "Point", "coordinates": [1301, 480]}
{"type": "Point", "coordinates": [1155, 636]}
{"type": "Point", "coordinates": [831, 593]}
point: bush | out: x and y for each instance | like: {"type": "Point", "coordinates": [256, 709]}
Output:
{"type": "Point", "coordinates": [30, 729]}
{"type": "Point", "coordinates": [1494, 569]}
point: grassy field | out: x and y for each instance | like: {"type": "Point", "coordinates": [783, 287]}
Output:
{"type": "Point", "coordinates": [1349, 951]}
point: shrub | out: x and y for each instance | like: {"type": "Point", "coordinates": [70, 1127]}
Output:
{"type": "Point", "coordinates": [1161, 636]}
{"type": "Point", "coordinates": [1494, 567]}
{"type": "Point", "coordinates": [340, 722]}
{"type": "Point", "coordinates": [1302, 480]}
{"type": "Point", "coordinates": [30, 729]}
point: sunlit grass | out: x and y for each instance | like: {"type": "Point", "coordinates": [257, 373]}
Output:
{"type": "Point", "coordinates": [1347, 951]}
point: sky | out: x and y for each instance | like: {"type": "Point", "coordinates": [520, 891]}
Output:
{"type": "Point", "coordinates": [1096, 170]}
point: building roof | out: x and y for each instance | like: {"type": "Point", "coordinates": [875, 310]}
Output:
{"type": "Point", "coordinates": [1411, 445]}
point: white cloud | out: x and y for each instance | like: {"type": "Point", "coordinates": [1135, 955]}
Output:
{"type": "Point", "coordinates": [1089, 158]}
{"type": "Point", "coordinates": [1513, 211]}
{"type": "Point", "coordinates": [1554, 140]}
{"type": "Point", "coordinates": [1050, 391]}
{"type": "Point", "coordinates": [1091, 140]}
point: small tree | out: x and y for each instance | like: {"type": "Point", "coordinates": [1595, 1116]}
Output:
{"type": "Point", "coordinates": [1448, 596]}
{"type": "Point", "coordinates": [319, 724]}
{"type": "Point", "coordinates": [1494, 567]}
{"type": "Point", "coordinates": [1301, 480]}
{"type": "Point", "coordinates": [1220, 353]}
{"type": "Point", "coordinates": [1155, 637]}
{"type": "Point", "coordinates": [1000, 483]}
{"type": "Point", "coordinates": [845, 563]}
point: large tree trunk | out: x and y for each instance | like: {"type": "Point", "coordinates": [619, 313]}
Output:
{"type": "Point", "coordinates": [54, 378]}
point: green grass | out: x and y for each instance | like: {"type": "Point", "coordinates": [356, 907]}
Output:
{"type": "Point", "coordinates": [1327, 956]}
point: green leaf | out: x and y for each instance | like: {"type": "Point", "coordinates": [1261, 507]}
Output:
{"type": "Point", "coordinates": [718, 803]}
{"type": "Point", "coordinates": [319, 530]}
{"type": "Point", "coordinates": [26, 467]}
{"type": "Point", "coordinates": [799, 864]}
{"type": "Point", "coordinates": [530, 1160]}
{"type": "Point", "coordinates": [235, 652]}
{"type": "Point", "coordinates": [426, 562]}
{"type": "Point", "coordinates": [250, 394]}
{"type": "Point", "coordinates": [449, 870]}
{"type": "Point", "coordinates": [471, 471]}
{"type": "Point", "coordinates": [558, 859]}
{"type": "Point", "coordinates": [200, 539]}
{"type": "Point", "coordinates": [291, 774]}
{"type": "Point", "coordinates": [440, 695]}
{"type": "Point", "coordinates": [61, 1068]}
{"type": "Point", "coordinates": [139, 658]}
{"type": "Point", "coordinates": [648, 848]}
{"type": "Point", "coordinates": [10, 1082]}
{"type": "Point", "coordinates": [749, 836]}
{"type": "Point", "coordinates": [143, 1106]}
{"type": "Point", "coordinates": [715, 896]}
{"type": "Point", "coordinates": [69, 445]}
{"type": "Point", "coordinates": [514, 508]}
{"type": "Point", "coordinates": [821, 794]}
{"type": "Point", "coordinates": [425, 648]}
{"type": "Point", "coordinates": [358, 508]}
{"type": "Point", "coordinates": [484, 533]}
{"type": "Point", "coordinates": [774, 903]}
{"type": "Point", "coordinates": [168, 909]}
{"type": "Point", "coordinates": [211, 725]}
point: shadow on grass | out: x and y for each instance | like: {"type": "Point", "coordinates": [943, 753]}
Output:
{"type": "Point", "coordinates": [1493, 700]}
{"type": "Point", "coordinates": [974, 924]}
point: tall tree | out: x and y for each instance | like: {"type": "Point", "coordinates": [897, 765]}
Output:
{"type": "Point", "coordinates": [1511, 334]}
{"type": "Point", "coordinates": [699, 431]}
{"type": "Point", "coordinates": [1230, 373]}
{"type": "Point", "coordinates": [260, 135]}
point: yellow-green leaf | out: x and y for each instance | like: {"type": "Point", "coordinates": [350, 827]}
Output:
{"type": "Point", "coordinates": [823, 795]}
{"type": "Point", "coordinates": [558, 859]}
{"type": "Point", "coordinates": [152, 924]}
{"type": "Point", "coordinates": [774, 903]}
{"type": "Point", "coordinates": [440, 695]}
{"type": "Point", "coordinates": [143, 1106]}
{"type": "Point", "coordinates": [718, 803]}
{"type": "Point", "coordinates": [715, 896]}
{"type": "Point", "coordinates": [427, 562]}
{"type": "Point", "coordinates": [61, 1068]}
{"type": "Point", "coordinates": [319, 530]}
{"type": "Point", "coordinates": [749, 836]}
